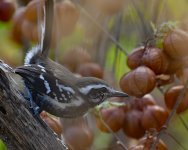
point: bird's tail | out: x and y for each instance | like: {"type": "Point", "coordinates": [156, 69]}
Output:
{"type": "Point", "coordinates": [42, 49]}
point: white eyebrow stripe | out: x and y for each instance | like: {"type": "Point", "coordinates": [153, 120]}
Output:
{"type": "Point", "coordinates": [85, 90]}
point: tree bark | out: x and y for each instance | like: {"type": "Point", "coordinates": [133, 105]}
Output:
{"type": "Point", "coordinates": [19, 129]}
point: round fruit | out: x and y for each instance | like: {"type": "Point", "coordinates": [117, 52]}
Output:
{"type": "Point", "coordinates": [30, 31]}
{"type": "Point", "coordinates": [113, 117]}
{"type": "Point", "coordinates": [175, 44]}
{"type": "Point", "coordinates": [78, 137]}
{"type": "Point", "coordinates": [171, 97]}
{"type": "Point", "coordinates": [7, 9]}
{"type": "Point", "coordinates": [90, 69]}
{"type": "Point", "coordinates": [138, 82]}
{"type": "Point", "coordinates": [153, 117]}
{"type": "Point", "coordinates": [132, 124]}
{"type": "Point", "coordinates": [147, 100]}
{"type": "Point", "coordinates": [66, 17]}
{"type": "Point", "coordinates": [134, 58]}
{"type": "Point", "coordinates": [18, 18]}
{"type": "Point", "coordinates": [52, 123]}
{"type": "Point", "coordinates": [75, 57]}
{"type": "Point", "coordinates": [32, 10]}
{"type": "Point", "coordinates": [155, 59]}
{"type": "Point", "coordinates": [141, 103]}
{"type": "Point", "coordinates": [174, 65]}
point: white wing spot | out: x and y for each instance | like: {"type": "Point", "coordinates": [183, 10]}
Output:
{"type": "Point", "coordinates": [64, 97]}
{"type": "Point", "coordinates": [55, 96]}
{"type": "Point", "coordinates": [42, 68]}
{"type": "Point", "coordinates": [41, 77]}
{"type": "Point", "coordinates": [62, 87]}
{"type": "Point", "coordinates": [47, 86]}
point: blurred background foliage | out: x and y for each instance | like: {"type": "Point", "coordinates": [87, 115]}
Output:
{"type": "Point", "coordinates": [98, 32]}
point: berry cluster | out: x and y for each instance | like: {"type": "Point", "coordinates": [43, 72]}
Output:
{"type": "Point", "coordinates": [149, 63]}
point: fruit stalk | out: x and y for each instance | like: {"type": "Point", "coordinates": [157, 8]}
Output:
{"type": "Point", "coordinates": [171, 114]}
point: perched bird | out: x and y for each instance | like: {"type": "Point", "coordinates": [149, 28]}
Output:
{"type": "Point", "coordinates": [54, 88]}
{"type": "Point", "coordinates": [61, 97]}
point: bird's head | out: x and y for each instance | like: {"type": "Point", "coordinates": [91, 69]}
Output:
{"type": "Point", "coordinates": [96, 90]}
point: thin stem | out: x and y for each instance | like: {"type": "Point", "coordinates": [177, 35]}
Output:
{"type": "Point", "coordinates": [161, 12]}
{"type": "Point", "coordinates": [102, 29]}
{"type": "Point", "coordinates": [161, 90]}
{"type": "Point", "coordinates": [117, 37]}
{"type": "Point", "coordinates": [157, 10]}
{"type": "Point", "coordinates": [183, 122]}
{"type": "Point", "coordinates": [119, 142]}
{"type": "Point", "coordinates": [179, 100]}
{"type": "Point", "coordinates": [145, 28]}
{"type": "Point", "coordinates": [102, 46]}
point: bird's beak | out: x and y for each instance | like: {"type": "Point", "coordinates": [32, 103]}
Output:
{"type": "Point", "coordinates": [115, 93]}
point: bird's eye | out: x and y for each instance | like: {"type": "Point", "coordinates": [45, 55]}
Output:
{"type": "Point", "coordinates": [96, 95]}
{"type": "Point", "coordinates": [100, 96]}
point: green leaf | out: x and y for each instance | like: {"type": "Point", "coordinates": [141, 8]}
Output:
{"type": "Point", "coordinates": [2, 146]}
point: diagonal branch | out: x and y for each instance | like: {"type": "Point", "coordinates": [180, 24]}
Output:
{"type": "Point", "coordinates": [19, 129]}
{"type": "Point", "coordinates": [172, 113]}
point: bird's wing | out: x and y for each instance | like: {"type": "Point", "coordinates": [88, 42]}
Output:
{"type": "Point", "coordinates": [40, 80]}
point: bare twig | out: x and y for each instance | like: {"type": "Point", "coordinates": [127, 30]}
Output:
{"type": "Point", "coordinates": [147, 31]}
{"type": "Point", "coordinates": [179, 100]}
{"type": "Point", "coordinates": [119, 142]}
{"type": "Point", "coordinates": [117, 37]}
{"type": "Point", "coordinates": [19, 129]}
{"type": "Point", "coordinates": [161, 89]}
{"type": "Point", "coordinates": [161, 12]}
{"type": "Point", "coordinates": [102, 46]}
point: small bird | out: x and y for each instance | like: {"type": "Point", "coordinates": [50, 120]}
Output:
{"type": "Point", "coordinates": [61, 97]}
{"type": "Point", "coordinates": [55, 89]}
